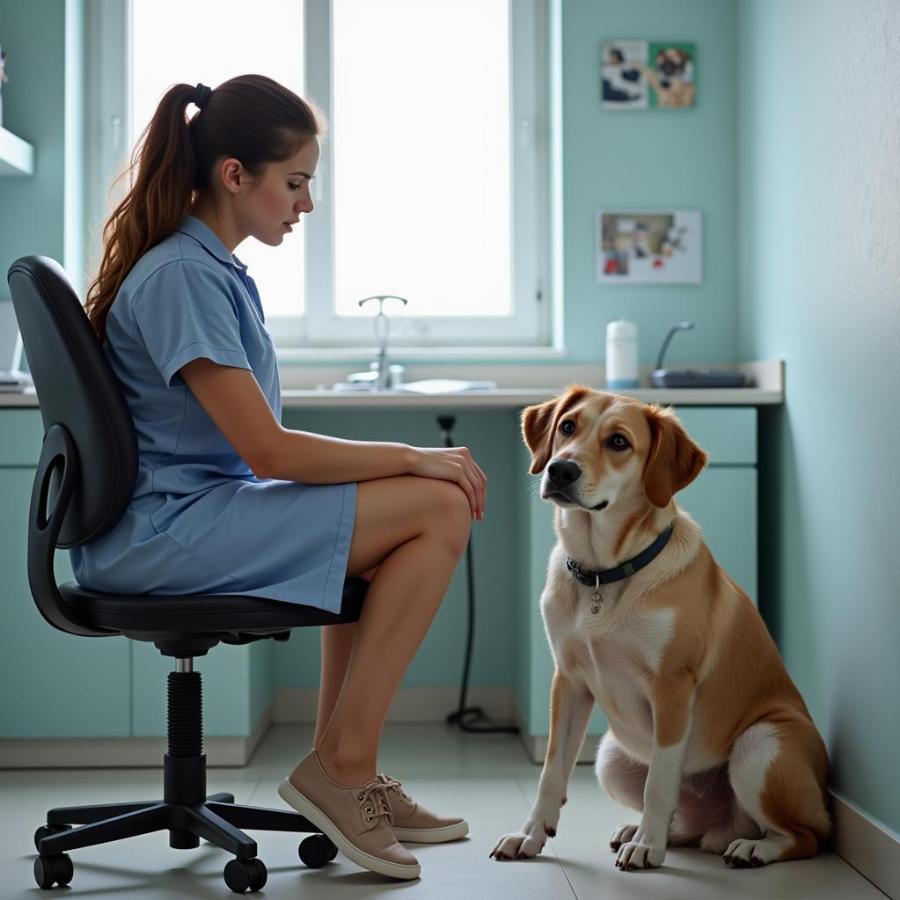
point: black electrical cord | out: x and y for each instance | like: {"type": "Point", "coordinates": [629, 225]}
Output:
{"type": "Point", "coordinates": [465, 715]}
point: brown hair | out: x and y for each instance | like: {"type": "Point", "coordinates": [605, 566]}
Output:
{"type": "Point", "coordinates": [251, 118]}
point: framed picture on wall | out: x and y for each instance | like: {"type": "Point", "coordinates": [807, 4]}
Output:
{"type": "Point", "coordinates": [649, 247]}
{"type": "Point", "coordinates": [648, 74]}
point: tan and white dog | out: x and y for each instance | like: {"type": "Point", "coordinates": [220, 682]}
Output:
{"type": "Point", "coordinates": [708, 736]}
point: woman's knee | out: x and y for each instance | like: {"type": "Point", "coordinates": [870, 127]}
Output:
{"type": "Point", "coordinates": [450, 515]}
{"type": "Point", "coordinates": [392, 511]}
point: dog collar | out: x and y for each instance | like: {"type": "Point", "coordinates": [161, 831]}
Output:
{"type": "Point", "coordinates": [595, 578]}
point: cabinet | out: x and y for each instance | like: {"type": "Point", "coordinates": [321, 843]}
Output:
{"type": "Point", "coordinates": [57, 685]}
{"type": "Point", "coordinates": [723, 500]}
{"type": "Point", "coordinates": [52, 684]}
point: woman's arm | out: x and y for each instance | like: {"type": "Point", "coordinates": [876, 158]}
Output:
{"type": "Point", "coordinates": [233, 399]}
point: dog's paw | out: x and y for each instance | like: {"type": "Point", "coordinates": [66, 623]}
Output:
{"type": "Point", "coordinates": [525, 844]}
{"type": "Point", "coordinates": [622, 835]}
{"type": "Point", "coordinates": [743, 853]}
{"type": "Point", "coordinates": [639, 854]}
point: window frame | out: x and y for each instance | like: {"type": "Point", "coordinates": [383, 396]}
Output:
{"type": "Point", "coordinates": [108, 118]}
{"type": "Point", "coordinates": [321, 330]}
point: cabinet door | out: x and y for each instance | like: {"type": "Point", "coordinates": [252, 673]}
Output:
{"type": "Point", "coordinates": [723, 503]}
{"type": "Point", "coordinates": [52, 684]}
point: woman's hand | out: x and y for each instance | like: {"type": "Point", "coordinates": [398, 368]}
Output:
{"type": "Point", "coordinates": [453, 464]}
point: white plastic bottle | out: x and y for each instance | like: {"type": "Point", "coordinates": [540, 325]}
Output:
{"type": "Point", "coordinates": [621, 355]}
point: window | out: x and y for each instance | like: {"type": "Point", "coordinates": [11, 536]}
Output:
{"type": "Point", "coordinates": [432, 183]}
{"type": "Point", "coordinates": [215, 41]}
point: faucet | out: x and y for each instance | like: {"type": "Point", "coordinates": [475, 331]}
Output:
{"type": "Point", "coordinates": [379, 374]}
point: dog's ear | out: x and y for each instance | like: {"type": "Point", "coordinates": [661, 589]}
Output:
{"type": "Point", "coordinates": [537, 431]}
{"type": "Point", "coordinates": [539, 424]}
{"type": "Point", "coordinates": [674, 460]}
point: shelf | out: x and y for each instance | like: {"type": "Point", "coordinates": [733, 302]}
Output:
{"type": "Point", "coordinates": [16, 156]}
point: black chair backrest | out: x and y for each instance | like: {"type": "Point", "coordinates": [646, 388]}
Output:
{"type": "Point", "coordinates": [78, 390]}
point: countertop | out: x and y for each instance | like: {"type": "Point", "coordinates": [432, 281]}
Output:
{"type": "Point", "coordinates": [518, 386]}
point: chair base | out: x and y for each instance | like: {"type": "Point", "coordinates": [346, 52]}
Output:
{"type": "Point", "coordinates": [218, 820]}
{"type": "Point", "coordinates": [185, 811]}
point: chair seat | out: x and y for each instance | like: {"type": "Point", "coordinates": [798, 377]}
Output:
{"type": "Point", "coordinates": [203, 613]}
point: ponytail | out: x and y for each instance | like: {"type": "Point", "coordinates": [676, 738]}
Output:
{"type": "Point", "coordinates": [251, 118]}
{"type": "Point", "coordinates": [157, 202]}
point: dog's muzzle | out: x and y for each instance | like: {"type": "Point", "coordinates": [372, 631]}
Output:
{"type": "Point", "coordinates": [562, 474]}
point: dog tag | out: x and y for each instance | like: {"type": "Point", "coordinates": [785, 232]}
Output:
{"type": "Point", "coordinates": [595, 606]}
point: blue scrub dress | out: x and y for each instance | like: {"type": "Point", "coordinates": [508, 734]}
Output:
{"type": "Point", "coordinates": [200, 521]}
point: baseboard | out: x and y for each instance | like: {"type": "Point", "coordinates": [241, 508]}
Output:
{"type": "Point", "coordinates": [125, 752]}
{"type": "Point", "coordinates": [536, 745]}
{"type": "Point", "coordinates": [867, 845]}
{"type": "Point", "coordinates": [291, 706]}
{"type": "Point", "coordinates": [425, 704]}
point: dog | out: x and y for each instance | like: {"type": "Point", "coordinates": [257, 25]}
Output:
{"type": "Point", "coordinates": [672, 78]}
{"type": "Point", "coordinates": [708, 737]}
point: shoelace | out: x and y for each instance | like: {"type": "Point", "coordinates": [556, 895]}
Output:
{"type": "Point", "coordinates": [374, 802]}
{"type": "Point", "coordinates": [392, 783]}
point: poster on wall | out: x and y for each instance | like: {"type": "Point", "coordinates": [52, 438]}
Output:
{"type": "Point", "coordinates": [649, 247]}
{"type": "Point", "coordinates": [648, 74]}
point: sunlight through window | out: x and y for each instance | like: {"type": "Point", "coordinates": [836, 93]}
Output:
{"type": "Point", "coordinates": [214, 41]}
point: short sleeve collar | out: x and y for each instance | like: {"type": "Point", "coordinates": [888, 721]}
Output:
{"type": "Point", "coordinates": [209, 240]}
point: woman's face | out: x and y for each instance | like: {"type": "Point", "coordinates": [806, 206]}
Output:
{"type": "Point", "coordinates": [274, 200]}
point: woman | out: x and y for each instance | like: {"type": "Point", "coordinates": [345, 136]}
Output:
{"type": "Point", "coordinates": [227, 500]}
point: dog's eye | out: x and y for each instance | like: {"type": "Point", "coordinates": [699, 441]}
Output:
{"type": "Point", "coordinates": [567, 427]}
{"type": "Point", "coordinates": [618, 442]}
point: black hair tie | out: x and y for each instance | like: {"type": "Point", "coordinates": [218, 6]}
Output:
{"type": "Point", "coordinates": [201, 95]}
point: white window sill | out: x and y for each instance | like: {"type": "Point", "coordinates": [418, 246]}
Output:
{"type": "Point", "coordinates": [288, 356]}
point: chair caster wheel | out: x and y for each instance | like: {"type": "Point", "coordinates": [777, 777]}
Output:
{"type": "Point", "coordinates": [48, 831]}
{"type": "Point", "coordinates": [54, 869]}
{"type": "Point", "coordinates": [316, 850]}
{"type": "Point", "coordinates": [245, 875]}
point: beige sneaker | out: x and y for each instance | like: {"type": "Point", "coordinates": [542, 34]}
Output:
{"type": "Point", "coordinates": [356, 819]}
{"type": "Point", "coordinates": [410, 821]}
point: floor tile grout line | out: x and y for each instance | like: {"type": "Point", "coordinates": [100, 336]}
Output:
{"type": "Point", "coordinates": [565, 874]}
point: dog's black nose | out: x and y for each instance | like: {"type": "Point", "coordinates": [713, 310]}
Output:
{"type": "Point", "coordinates": [564, 472]}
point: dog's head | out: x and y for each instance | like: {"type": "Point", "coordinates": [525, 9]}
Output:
{"type": "Point", "coordinates": [671, 62]}
{"type": "Point", "coordinates": [597, 448]}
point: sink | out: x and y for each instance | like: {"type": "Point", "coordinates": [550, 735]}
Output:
{"type": "Point", "coordinates": [356, 387]}
{"type": "Point", "coordinates": [426, 386]}
{"type": "Point", "coordinates": [447, 386]}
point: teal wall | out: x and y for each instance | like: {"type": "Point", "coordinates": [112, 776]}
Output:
{"type": "Point", "coordinates": [42, 107]}
{"type": "Point", "coordinates": [646, 160]}
{"type": "Point", "coordinates": [819, 202]}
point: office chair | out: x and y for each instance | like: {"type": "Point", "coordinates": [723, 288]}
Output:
{"type": "Point", "coordinates": [85, 479]}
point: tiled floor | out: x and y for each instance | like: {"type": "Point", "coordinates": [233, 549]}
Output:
{"type": "Point", "coordinates": [486, 778]}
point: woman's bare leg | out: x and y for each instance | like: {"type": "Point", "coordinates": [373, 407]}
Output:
{"type": "Point", "coordinates": [427, 522]}
{"type": "Point", "coordinates": [337, 644]}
